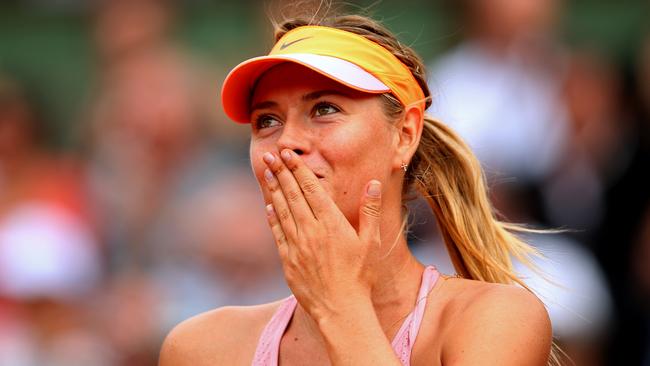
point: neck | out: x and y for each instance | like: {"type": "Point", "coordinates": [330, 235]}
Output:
{"type": "Point", "coordinates": [395, 292]}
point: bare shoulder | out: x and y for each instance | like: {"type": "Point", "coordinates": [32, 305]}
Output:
{"type": "Point", "coordinates": [496, 324]}
{"type": "Point", "coordinates": [227, 335]}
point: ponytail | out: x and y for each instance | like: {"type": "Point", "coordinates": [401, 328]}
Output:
{"type": "Point", "coordinates": [448, 175]}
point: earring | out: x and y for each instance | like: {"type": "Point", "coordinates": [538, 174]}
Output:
{"type": "Point", "coordinates": [404, 166]}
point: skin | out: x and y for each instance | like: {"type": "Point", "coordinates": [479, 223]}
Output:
{"type": "Point", "coordinates": [329, 165]}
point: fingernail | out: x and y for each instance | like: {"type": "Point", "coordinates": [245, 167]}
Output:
{"type": "Point", "coordinates": [269, 209]}
{"type": "Point", "coordinates": [286, 155]}
{"type": "Point", "coordinates": [374, 188]}
{"type": "Point", "coordinates": [269, 158]}
{"type": "Point", "coordinates": [268, 175]}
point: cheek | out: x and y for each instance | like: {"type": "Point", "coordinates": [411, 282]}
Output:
{"type": "Point", "coordinates": [257, 164]}
{"type": "Point", "coordinates": [360, 152]}
{"type": "Point", "coordinates": [356, 156]}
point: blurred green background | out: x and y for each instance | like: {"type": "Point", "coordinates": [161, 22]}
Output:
{"type": "Point", "coordinates": [142, 173]}
{"type": "Point", "coordinates": [50, 43]}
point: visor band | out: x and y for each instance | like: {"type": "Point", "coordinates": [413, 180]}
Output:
{"type": "Point", "coordinates": [357, 49]}
{"type": "Point", "coordinates": [374, 61]}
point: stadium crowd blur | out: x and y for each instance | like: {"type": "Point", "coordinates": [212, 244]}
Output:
{"type": "Point", "coordinates": [129, 205]}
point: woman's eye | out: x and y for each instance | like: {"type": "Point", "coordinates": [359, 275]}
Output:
{"type": "Point", "coordinates": [266, 121]}
{"type": "Point", "coordinates": [323, 109]}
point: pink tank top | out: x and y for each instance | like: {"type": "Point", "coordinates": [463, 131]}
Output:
{"type": "Point", "coordinates": [268, 347]}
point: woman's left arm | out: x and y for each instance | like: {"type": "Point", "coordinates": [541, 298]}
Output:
{"type": "Point", "coordinates": [329, 265]}
{"type": "Point", "coordinates": [505, 325]}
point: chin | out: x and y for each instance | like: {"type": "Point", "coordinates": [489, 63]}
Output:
{"type": "Point", "coordinates": [348, 204]}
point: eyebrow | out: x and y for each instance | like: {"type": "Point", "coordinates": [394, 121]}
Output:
{"type": "Point", "coordinates": [320, 93]}
{"type": "Point", "coordinates": [307, 97]}
{"type": "Point", "coordinates": [264, 105]}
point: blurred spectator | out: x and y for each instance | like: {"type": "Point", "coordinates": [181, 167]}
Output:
{"type": "Point", "coordinates": [600, 146]}
{"type": "Point", "coordinates": [127, 313]}
{"type": "Point", "coordinates": [44, 222]}
{"type": "Point", "coordinates": [124, 28]}
{"type": "Point", "coordinates": [148, 147]}
{"type": "Point", "coordinates": [49, 257]}
{"type": "Point", "coordinates": [499, 88]}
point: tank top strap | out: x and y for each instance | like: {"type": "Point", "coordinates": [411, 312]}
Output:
{"type": "Point", "coordinates": [268, 346]}
{"type": "Point", "coordinates": [429, 279]}
{"type": "Point", "coordinates": [405, 338]}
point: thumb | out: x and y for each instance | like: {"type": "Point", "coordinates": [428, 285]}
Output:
{"type": "Point", "coordinates": [370, 212]}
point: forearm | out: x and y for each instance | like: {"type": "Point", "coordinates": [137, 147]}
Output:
{"type": "Point", "coordinates": [355, 337]}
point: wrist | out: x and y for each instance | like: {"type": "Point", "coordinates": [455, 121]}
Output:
{"type": "Point", "coordinates": [353, 335]}
{"type": "Point", "coordinates": [345, 314]}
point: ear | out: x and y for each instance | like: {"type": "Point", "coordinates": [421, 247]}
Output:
{"type": "Point", "coordinates": [409, 131]}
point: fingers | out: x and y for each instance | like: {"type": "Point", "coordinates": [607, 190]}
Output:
{"type": "Point", "coordinates": [287, 197]}
{"type": "Point", "coordinates": [319, 201]}
{"type": "Point", "coordinates": [278, 233]}
{"type": "Point", "coordinates": [370, 213]}
{"type": "Point", "coordinates": [281, 208]}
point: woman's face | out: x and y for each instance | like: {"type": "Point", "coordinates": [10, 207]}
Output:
{"type": "Point", "coordinates": [340, 133]}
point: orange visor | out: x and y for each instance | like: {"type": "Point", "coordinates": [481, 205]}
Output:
{"type": "Point", "coordinates": [345, 57]}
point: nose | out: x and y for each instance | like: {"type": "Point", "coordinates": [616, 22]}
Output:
{"type": "Point", "coordinates": [295, 136]}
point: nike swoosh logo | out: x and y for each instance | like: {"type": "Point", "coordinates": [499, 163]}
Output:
{"type": "Point", "coordinates": [287, 44]}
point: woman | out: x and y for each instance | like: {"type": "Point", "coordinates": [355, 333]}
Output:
{"type": "Point", "coordinates": [339, 138]}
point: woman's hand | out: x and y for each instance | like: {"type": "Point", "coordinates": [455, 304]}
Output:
{"type": "Point", "coordinates": [327, 263]}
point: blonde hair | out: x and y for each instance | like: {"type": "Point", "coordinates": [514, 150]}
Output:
{"type": "Point", "coordinates": [447, 174]}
